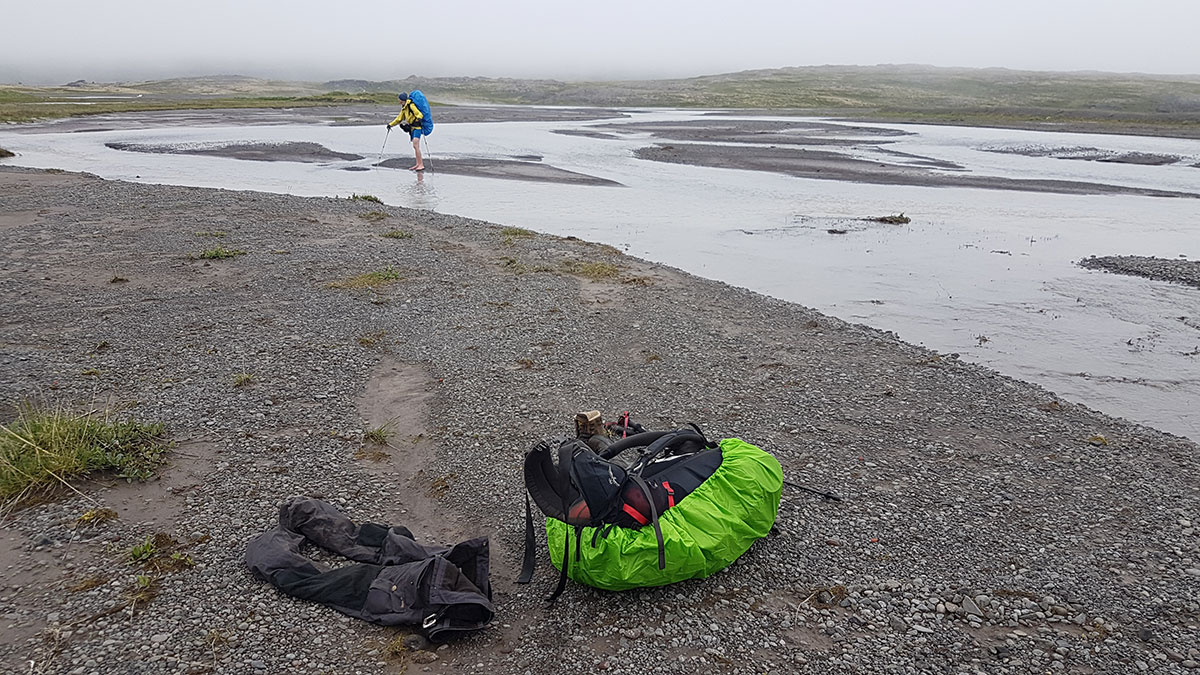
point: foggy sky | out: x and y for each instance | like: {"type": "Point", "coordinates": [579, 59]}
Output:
{"type": "Point", "coordinates": [52, 42]}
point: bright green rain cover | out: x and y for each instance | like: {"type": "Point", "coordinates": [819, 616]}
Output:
{"type": "Point", "coordinates": [702, 534]}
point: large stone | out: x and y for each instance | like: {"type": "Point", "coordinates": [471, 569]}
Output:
{"type": "Point", "coordinates": [969, 607]}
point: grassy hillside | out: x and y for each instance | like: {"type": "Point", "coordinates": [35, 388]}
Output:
{"type": "Point", "coordinates": [1144, 103]}
{"type": "Point", "coordinates": [905, 87]}
{"type": "Point", "coordinates": [27, 104]}
{"type": "Point", "coordinates": [1107, 101]}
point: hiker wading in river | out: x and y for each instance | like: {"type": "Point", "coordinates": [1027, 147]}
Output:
{"type": "Point", "coordinates": [415, 118]}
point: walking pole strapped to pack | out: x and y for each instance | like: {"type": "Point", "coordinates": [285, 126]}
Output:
{"type": "Point", "coordinates": [705, 503]}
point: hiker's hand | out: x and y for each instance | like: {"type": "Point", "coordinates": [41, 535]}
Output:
{"type": "Point", "coordinates": [389, 126]}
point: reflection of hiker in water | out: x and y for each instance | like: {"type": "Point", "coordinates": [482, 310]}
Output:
{"type": "Point", "coordinates": [415, 118]}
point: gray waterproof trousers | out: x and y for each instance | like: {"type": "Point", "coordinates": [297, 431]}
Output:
{"type": "Point", "coordinates": [442, 590]}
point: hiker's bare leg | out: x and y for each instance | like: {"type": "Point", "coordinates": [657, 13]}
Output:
{"type": "Point", "coordinates": [420, 165]}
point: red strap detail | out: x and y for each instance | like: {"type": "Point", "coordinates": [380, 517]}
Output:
{"type": "Point", "coordinates": [633, 513]}
{"type": "Point", "coordinates": [670, 495]}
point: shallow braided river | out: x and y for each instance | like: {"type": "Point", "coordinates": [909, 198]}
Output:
{"type": "Point", "coordinates": [987, 274]}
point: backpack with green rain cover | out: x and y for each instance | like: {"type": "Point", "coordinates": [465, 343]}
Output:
{"type": "Point", "coordinates": [683, 508]}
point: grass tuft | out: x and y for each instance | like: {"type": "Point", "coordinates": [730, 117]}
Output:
{"type": "Point", "coordinates": [510, 235]}
{"type": "Point", "coordinates": [243, 380]}
{"type": "Point", "coordinates": [378, 435]}
{"type": "Point", "coordinates": [517, 267]}
{"type": "Point", "coordinates": [43, 448]}
{"type": "Point", "coordinates": [143, 551]}
{"type": "Point", "coordinates": [373, 279]}
{"type": "Point", "coordinates": [95, 517]}
{"type": "Point", "coordinates": [87, 583]}
{"type": "Point", "coordinates": [144, 589]}
{"type": "Point", "coordinates": [398, 234]}
{"type": "Point", "coordinates": [366, 198]}
{"type": "Point", "coordinates": [396, 648]}
{"type": "Point", "coordinates": [220, 253]}
{"type": "Point", "coordinates": [596, 271]}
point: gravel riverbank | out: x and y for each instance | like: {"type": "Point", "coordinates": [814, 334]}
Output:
{"type": "Point", "coordinates": [987, 527]}
{"type": "Point", "coordinates": [1185, 272]}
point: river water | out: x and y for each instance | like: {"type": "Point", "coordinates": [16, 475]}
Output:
{"type": "Point", "coordinates": [988, 274]}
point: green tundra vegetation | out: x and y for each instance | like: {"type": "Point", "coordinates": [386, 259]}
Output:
{"type": "Point", "coordinates": [1135, 103]}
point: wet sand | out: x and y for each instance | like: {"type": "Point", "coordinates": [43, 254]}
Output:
{"type": "Point", "coordinates": [583, 133]}
{"type": "Point", "coordinates": [1092, 155]}
{"type": "Point", "coordinates": [258, 152]}
{"type": "Point", "coordinates": [763, 132]}
{"type": "Point", "coordinates": [350, 115]}
{"type": "Point", "coordinates": [826, 165]}
{"type": "Point", "coordinates": [809, 149]}
{"type": "Point", "coordinates": [523, 167]}
{"type": "Point", "coordinates": [1027, 118]}
{"type": "Point", "coordinates": [505, 169]}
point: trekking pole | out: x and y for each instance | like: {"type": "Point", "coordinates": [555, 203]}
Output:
{"type": "Point", "coordinates": [426, 139]}
{"type": "Point", "coordinates": [826, 495]}
{"type": "Point", "coordinates": [385, 137]}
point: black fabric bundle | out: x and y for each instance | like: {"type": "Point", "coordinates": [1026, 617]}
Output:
{"type": "Point", "coordinates": [442, 590]}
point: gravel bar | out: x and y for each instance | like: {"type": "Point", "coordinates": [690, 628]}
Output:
{"type": "Point", "coordinates": [1185, 272]}
{"type": "Point", "coordinates": [988, 526]}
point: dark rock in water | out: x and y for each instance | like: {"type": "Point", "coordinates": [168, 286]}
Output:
{"type": "Point", "coordinates": [356, 168]}
{"type": "Point", "coordinates": [1185, 272]}
{"type": "Point", "coordinates": [900, 219]}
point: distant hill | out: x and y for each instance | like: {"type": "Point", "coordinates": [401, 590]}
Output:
{"type": "Point", "coordinates": [826, 87]}
{"type": "Point", "coordinates": [992, 96]}
{"type": "Point", "coordinates": [225, 85]}
{"type": "Point", "coordinates": [1122, 102]}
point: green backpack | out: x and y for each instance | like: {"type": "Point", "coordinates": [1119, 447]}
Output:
{"type": "Point", "coordinates": [683, 509]}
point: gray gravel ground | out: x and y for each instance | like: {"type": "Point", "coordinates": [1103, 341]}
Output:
{"type": "Point", "coordinates": [1185, 272]}
{"type": "Point", "coordinates": [988, 526]}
